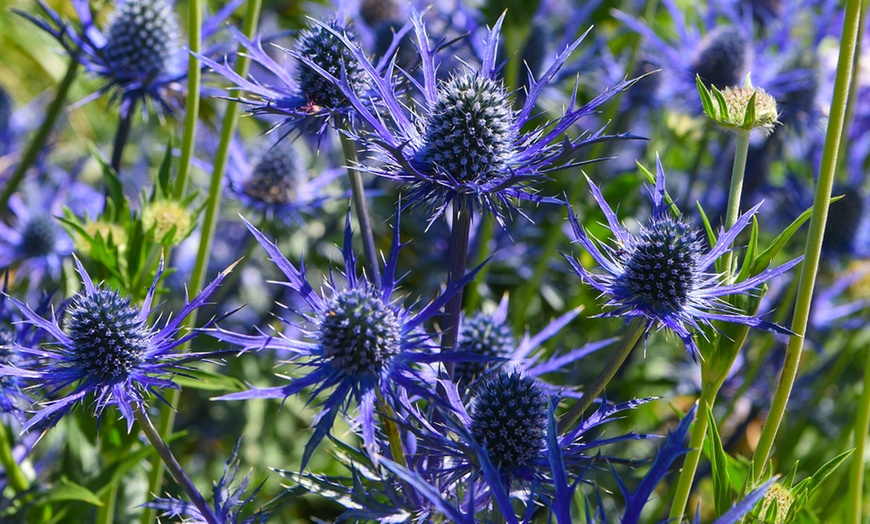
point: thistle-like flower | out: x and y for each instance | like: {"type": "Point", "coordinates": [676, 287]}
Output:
{"type": "Point", "coordinates": [501, 435]}
{"type": "Point", "coordinates": [465, 143]}
{"type": "Point", "coordinates": [302, 98]}
{"type": "Point", "coordinates": [277, 182]}
{"type": "Point", "coordinates": [660, 272]}
{"type": "Point", "coordinates": [104, 347]}
{"type": "Point", "coordinates": [139, 56]}
{"type": "Point", "coordinates": [358, 339]}
{"type": "Point", "coordinates": [36, 243]}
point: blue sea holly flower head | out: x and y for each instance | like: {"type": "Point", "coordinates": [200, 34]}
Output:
{"type": "Point", "coordinates": [299, 96]}
{"type": "Point", "coordinates": [660, 272]}
{"type": "Point", "coordinates": [105, 347]}
{"type": "Point", "coordinates": [500, 437]}
{"type": "Point", "coordinates": [278, 181]}
{"type": "Point", "coordinates": [139, 56]}
{"type": "Point", "coordinates": [36, 245]}
{"type": "Point", "coordinates": [357, 339]}
{"type": "Point", "coordinates": [462, 142]}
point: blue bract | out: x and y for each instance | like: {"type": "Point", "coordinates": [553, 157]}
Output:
{"type": "Point", "coordinates": [139, 57]}
{"type": "Point", "coordinates": [105, 346]}
{"type": "Point", "coordinates": [463, 142]}
{"type": "Point", "coordinates": [661, 271]}
{"type": "Point", "coordinates": [358, 340]}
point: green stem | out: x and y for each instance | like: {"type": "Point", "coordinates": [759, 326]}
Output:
{"type": "Point", "coordinates": [106, 513]}
{"type": "Point", "coordinates": [845, 70]}
{"type": "Point", "coordinates": [735, 193]}
{"type": "Point", "coordinates": [191, 109]}
{"type": "Point", "coordinates": [693, 458]}
{"type": "Point", "coordinates": [361, 208]}
{"type": "Point", "coordinates": [862, 424]}
{"type": "Point", "coordinates": [230, 120]}
{"type": "Point", "coordinates": [397, 450]}
{"type": "Point", "coordinates": [635, 331]}
{"type": "Point", "coordinates": [173, 466]}
{"type": "Point", "coordinates": [13, 471]}
{"type": "Point", "coordinates": [36, 145]}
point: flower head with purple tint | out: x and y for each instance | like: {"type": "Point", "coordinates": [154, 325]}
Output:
{"type": "Point", "coordinates": [301, 98]}
{"type": "Point", "coordinates": [105, 348]}
{"type": "Point", "coordinates": [277, 182]}
{"type": "Point", "coordinates": [660, 272]}
{"type": "Point", "coordinates": [463, 142]}
{"type": "Point", "coordinates": [357, 338]}
{"type": "Point", "coordinates": [36, 244]}
{"type": "Point", "coordinates": [139, 56]}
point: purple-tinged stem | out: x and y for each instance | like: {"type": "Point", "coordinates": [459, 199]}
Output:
{"type": "Point", "coordinates": [458, 262]}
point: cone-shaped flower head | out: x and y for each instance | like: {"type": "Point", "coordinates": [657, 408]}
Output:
{"type": "Point", "coordinates": [469, 134]}
{"type": "Point", "coordinates": [357, 338]}
{"type": "Point", "coordinates": [509, 419]}
{"type": "Point", "coordinates": [483, 334]}
{"type": "Point", "coordinates": [142, 40]}
{"type": "Point", "coordinates": [36, 244]}
{"type": "Point", "coordinates": [661, 273]}
{"type": "Point", "coordinates": [463, 142]}
{"type": "Point", "coordinates": [105, 346]}
{"type": "Point", "coordinates": [360, 333]}
{"type": "Point", "coordinates": [276, 176]}
{"type": "Point", "coordinates": [323, 47]}
{"type": "Point", "coordinates": [138, 56]}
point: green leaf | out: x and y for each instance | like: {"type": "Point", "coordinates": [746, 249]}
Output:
{"type": "Point", "coordinates": [749, 114]}
{"type": "Point", "coordinates": [763, 259]}
{"type": "Point", "coordinates": [208, 381]}
{"type": "Point", "coordinates": [113, 183]}
{"type": "Point", "coordinates": [750, 252]}
{"type": "Point", "coordinates": [68, 490]}
{"type": "Point", "coordinates": [706, 101]}
{"type": "Point", "coordinates": [719, 463]}
{"type": "Point", "coordinates": [711, 236]}
{"type": "Point", "coordinates": [164, 174]}
{"type": "Point", "coordinates": [720, 100]}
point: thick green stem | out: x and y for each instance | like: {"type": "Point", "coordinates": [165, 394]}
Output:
{"type": "Point", "coordinates": [845, 70]}
{"type": "Point", "coordinates": [37, 143]}
{"type": "Point", "coordinates": [862, 424]}
{"type": "Point", "coordinates": [735, 193]}
{"type": "Point", "coordinates": [173, 466]}
{"type": "Point", "coordinates": [106, 513]}
{"type": "Point", "coordinates": [13, 471]}
{"type": "Point", "coordinates": [191, 108]}
{"type": "Point", "coordinates": [228, 130]}
{"type": "Point", "coordinates": [635, 331]}
{"type": "Point", "coordinates": [361, 208]}
{"type": "Point", "coordinates": [693, 458]}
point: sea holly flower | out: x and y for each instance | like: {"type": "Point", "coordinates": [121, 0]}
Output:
{"type": "Point", "coordinates": [105, 348]}
{"type": "Point", "coordinates": [301, 98]}
{"type": "Point", "coordinates": [358, 340]}
{"type": "Point", "coordinates": [661, 272]}
{"type": "Point", "coordinates": [277, 182]}
{"type": "Point", "coordinates": [500, 436]}
{"type": "Point", "coordinates": [464, 143]}
{"type": "Point", "coordinates": [139, 56]}
{"type": "Point", "coordinates": [35, 243]}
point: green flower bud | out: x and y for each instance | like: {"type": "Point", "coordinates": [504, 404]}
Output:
{"type": "Point", "coordinates": [739, 108]}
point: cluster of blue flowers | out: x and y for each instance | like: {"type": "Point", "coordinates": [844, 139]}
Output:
{"type": "Point", "coordinates": [444, 363]}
